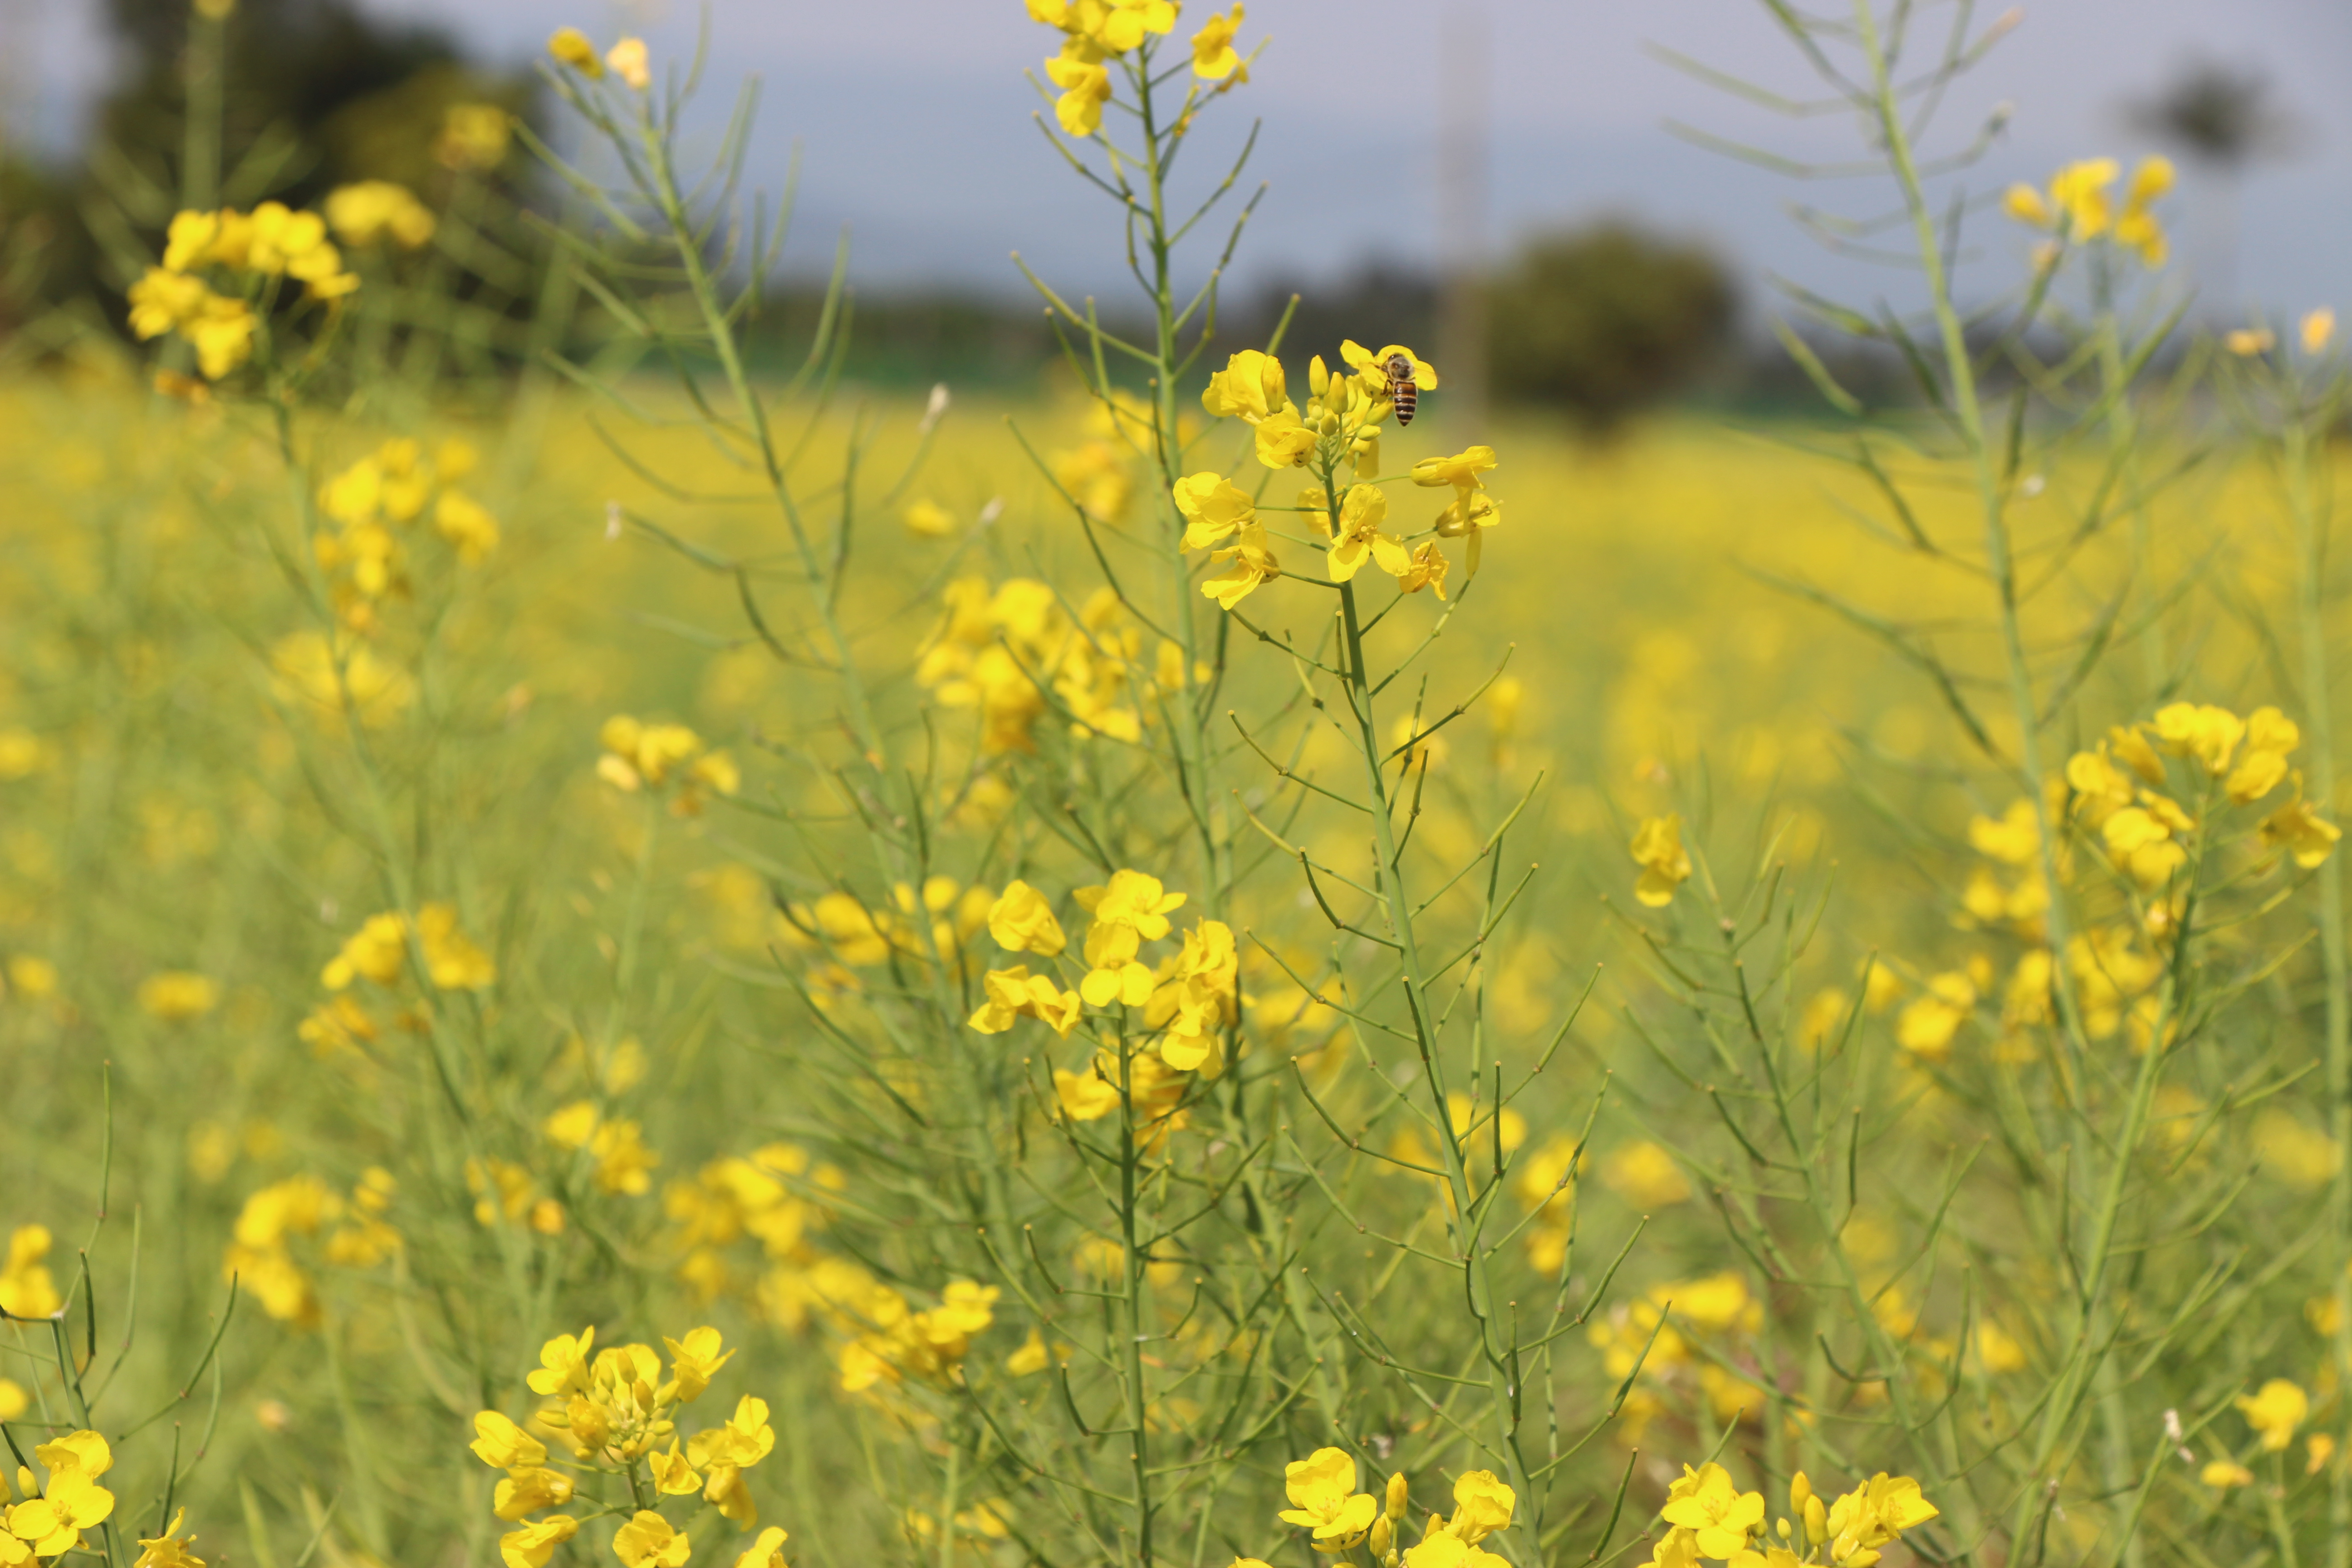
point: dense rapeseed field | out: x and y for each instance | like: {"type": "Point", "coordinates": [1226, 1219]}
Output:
{"type": "Point", "coordinates": [622, 953]}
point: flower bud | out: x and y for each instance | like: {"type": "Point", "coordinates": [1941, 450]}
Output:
{"type": "Point", "coordinates": [1328, 425]}
{"type": "Point", "coordinates": [1817, 1520]}
{"type": "Point", "coordinates": [1276, 384]}
{"type": "Point", "coordinates": [1318, 375]}
{"type": "Point", "coordinates": [1396, 1481]}
{"type": "Point", "coordinates": [1799, 1488]}
{"type": "Point", "coordinates": [1384, 1532]}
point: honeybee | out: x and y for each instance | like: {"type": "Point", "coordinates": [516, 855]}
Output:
{"type": "Point", "coordinates": [1401, 390]}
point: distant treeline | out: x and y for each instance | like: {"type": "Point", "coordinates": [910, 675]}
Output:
{"type": "Point", "coordinates": [1597, 322]}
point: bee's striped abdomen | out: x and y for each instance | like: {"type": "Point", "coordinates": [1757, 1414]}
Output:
{"type": "Point", "coordinates": [1401, 390]}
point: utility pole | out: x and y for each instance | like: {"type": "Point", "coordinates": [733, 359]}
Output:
{"type": "Point", "coordinates": [1463, 85]}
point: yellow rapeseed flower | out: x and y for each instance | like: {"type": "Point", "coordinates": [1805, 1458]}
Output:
{"type": "Point", "coordinates": [1324, 1499]}
{"type": "Point", "coordinates": [534, 1543]}
{"type": "Point", "coordinates": [630, 62]}
{"type": "Point", "coordinates": [27, 1289]}
{"type": "Point", "coordinates": [1665, 865]}
{"type": "Point", "coordinates": [177, 995]}
{"type": "Point", "coordinates": [571, 47]}
{"type": "Point", "coordinates": [2274, 1411]}
{"type": "Point", "coordinates": [1214, 56]}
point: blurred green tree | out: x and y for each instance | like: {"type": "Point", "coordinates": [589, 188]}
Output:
{"type": "Point", "coordinates": [1606, 321]}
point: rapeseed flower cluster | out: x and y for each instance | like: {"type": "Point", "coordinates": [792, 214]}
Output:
{"type": "Point", "coordinates": [763, 1198]}
{"type": "Point", "coordinates": [620, 1162]}
{"type": "Point", "coordinates": [379, 952]}
{"type": "Point", "coordinates": [627, 59]}
{"type": "Point", "coordinates": [894, 1341]}
{"type": "Point", "coordinates": [2078, 209]}
{"type": "Point", "coordinates": [371, 212]}
{"type": "Point", "coordinates": [1323, 1501]}
{"type": "Point", "coordinates": [373, 503]}
{"type": "Point", "coordinates": [1188, 1000]}
{"type": "Point", "coordinates": [271, 242]}
{"type": "Point", "coordinates": [47, 1524]}
{"type": "Point", "coordinates": [613, 1409]}
{"type": "Point", "coordinates": [1339, 423]}
{"type": "Point", "coordinates": [665, 758]}
{"type": "Point", "coordinates": [1015, 653]}
{"type": "Point", "coordinates": [1709, 1519]}
{"type": "Point", "coordinates": [261, 1256]}
{"type": "Point", "coordinates": [1703, 1327]}
{"type": "Point", "coordinates": [28, 1288]}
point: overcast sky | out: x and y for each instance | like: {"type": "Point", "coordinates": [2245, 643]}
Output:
{"type": "Point", "coordinates": [914, 121]}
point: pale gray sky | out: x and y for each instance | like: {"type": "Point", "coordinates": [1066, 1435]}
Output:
{"type": "Point", "coordinates": [914, 124]}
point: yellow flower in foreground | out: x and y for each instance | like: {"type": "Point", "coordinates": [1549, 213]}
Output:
{"type": "Point", "coordinates": [571, 47]}
{"type": "Point", "coordinates": [169, 1550]}
{"type": "Point", "coordinates": [1482, 1504]}
{"type": "Point", "coordinates": [562, 1367]}
{"type": "Point", "coordinates": [1720, 1514]}
{"type": "Point", "coordinates": [1250, 565]}
{"type": "Point", "coordinates": [2319, 329]}
{"type": "Point", "coordinates": [1015, 993]}
{"type": "Point", "coordinates": [1427, 570]}
{"type": "Point", "coordinates": [1086, 88]}
{"type": "Point", "coordinates": [534, 1544]}
{"type": "Point", "coordinates": [526, 1491]}
{"type": "Point", "coordinates": [2300, 831]}
{"type": "Point", "coordinates": [1284, 440]}
{"type": "Point", "coordinates": [649, 1541]}
{"type": "Point", "coordinates": [1251, 386]}
{"type": "Point", "coordinates": [672, 1474]}
{"type": "Point", "coordinates": [1085, 1096]}
{"type": "Point", "coordinates": [1023, 921]}
{"type": "Point", "coordinates": [1213, 508]}
{"type": "Point", "coordinates": [1665, 865]}
{"type": "Point", "coordinates": [1323, 1499]}
{"type": "Point", "coordinates": [503, 1444]}
{"type": "Point", "coordinates": [1132, 908]}
{"type": "Point", "coordinates": [1214, 56]}
{"type": "Point", "coordinates": [1359, 537]}
{"type": "Point", "coordinates": [767, 1549]}
{"type": "Point", "coordinates": [1441, 1550]}
{"type": "Point", "coordinates": [2274, 1411]}
{"type": "Point", "coordinates": [52, 1523]}
{"type": "Point", "coordinates": [1372, 369]}
{"type": "Point", "coordinates": [177, 995]}
{"type": "Point", "coordinates": [2202, 731]}
{"type": "Point", "coordinates": [693, 1362]}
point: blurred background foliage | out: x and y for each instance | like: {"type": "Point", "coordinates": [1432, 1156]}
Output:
{"type": "Point", "coordinates": [1593, 323]}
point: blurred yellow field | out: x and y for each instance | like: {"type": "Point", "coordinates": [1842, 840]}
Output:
{"type": "Point", "coordinates": [612, 951]}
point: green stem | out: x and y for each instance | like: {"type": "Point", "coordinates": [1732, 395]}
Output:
{"type": "Point", "coordinates": [2084, 1359]}
{"type": "Point", "coordinates": [200, 143]}
{"type": "Point", "coordinates": [1191, 732]}
{"type": "Point", "coordinates": [1502, 1394]}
